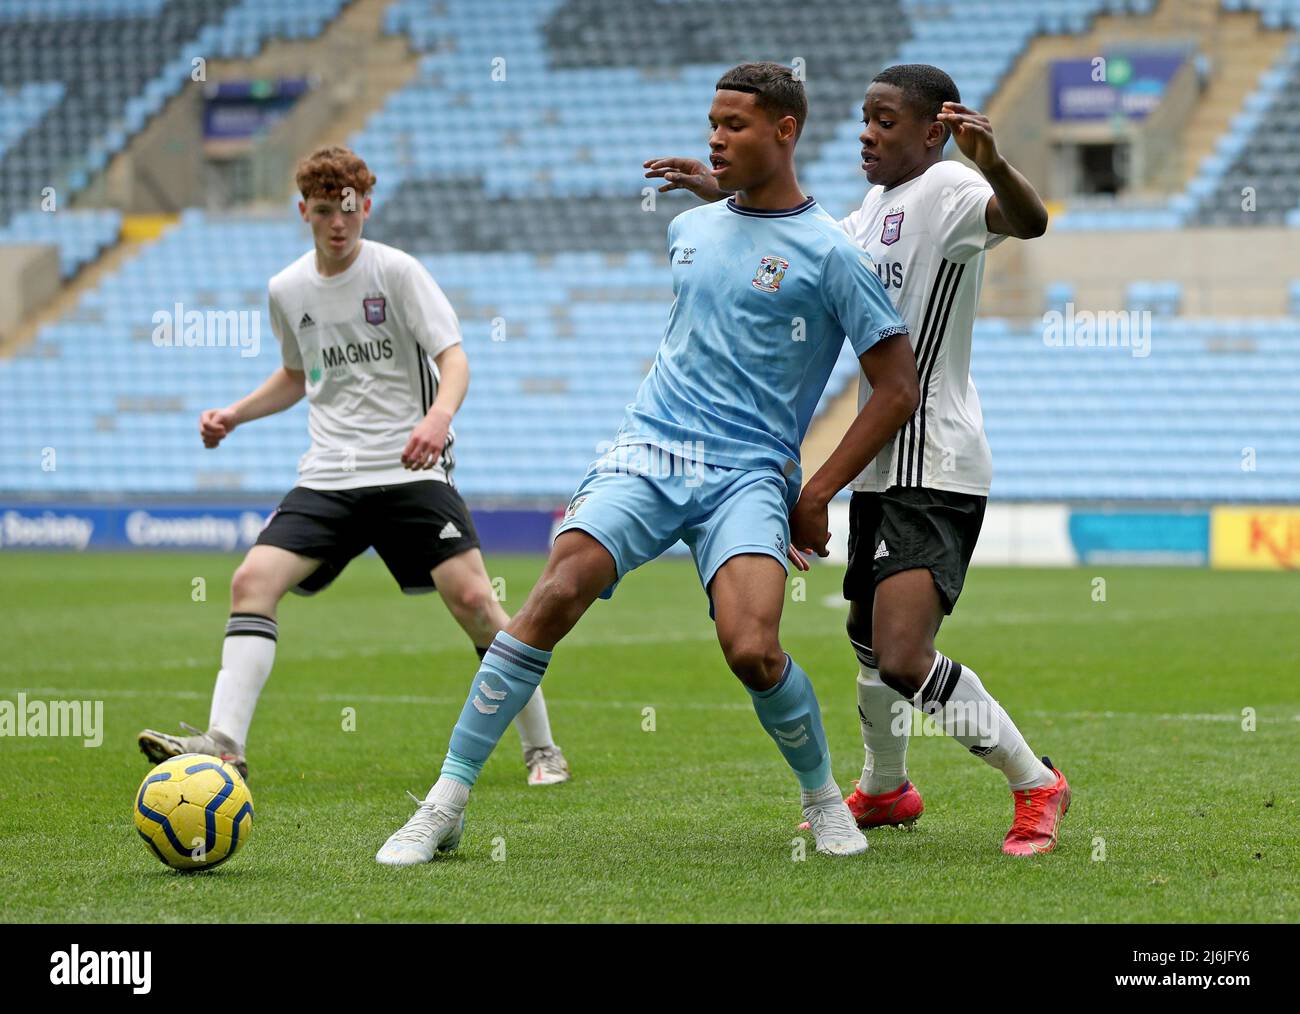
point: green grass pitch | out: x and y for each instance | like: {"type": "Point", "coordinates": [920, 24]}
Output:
{"type": "Point", "coordinates": [1179, 813]}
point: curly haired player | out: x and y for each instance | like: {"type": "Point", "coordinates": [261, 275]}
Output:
{"type": "Point", "coordinates": [366, 334]}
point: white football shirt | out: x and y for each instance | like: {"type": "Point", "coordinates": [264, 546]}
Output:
{"type": "Point", "coordinates": [928, 237]}
{"type": "Point", "coordinates": [366, 339]}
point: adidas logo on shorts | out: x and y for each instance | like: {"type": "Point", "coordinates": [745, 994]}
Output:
{"type": "Point", "coordinates": [881, 550]}
{"type": "Point", "coordinates": [449, 531]}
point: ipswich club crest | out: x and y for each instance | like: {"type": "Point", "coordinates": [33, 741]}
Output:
{"type": "Point", "coordinates": [892, 227]}
{"type": "Point", "coordinates": [376, 309]}
{"type": "Point", "coordinates": [769, 274]}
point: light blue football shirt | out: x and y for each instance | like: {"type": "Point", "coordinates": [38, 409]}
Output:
{"type": "Point", "coordinates": [764, 300]}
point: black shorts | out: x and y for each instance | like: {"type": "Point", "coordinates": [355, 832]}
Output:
{"type": "Point", "coordinates": [905, 528]}
{"type": "Point", "coordinates": [414, 526]}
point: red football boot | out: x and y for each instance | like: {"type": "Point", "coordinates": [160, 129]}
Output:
{"type": "Point", "coordinates": [899, 808]}
{"type": "Point", "coordinates": [1038, 817]}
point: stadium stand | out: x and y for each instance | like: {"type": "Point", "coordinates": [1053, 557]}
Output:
{"type": "Point", "coordinates": [1261, 151]}
{"type": "Point", "coordinates": [84, 76]}
{"type": "Point", "coordinates": [80, 234]}
{"type": "Point", "coordinates": [1094, 424]}
{"type": "Point", "coordinates": [22, 108]}
{"type": "Point", "coordinates": [104, 58]}
{"type": "Point", "coordinates": [526, 202]}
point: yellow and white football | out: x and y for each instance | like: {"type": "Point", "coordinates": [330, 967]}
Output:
{"type": "Point", "coordinates": [194, 811]}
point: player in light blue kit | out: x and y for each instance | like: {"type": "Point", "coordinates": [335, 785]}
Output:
{"type": "Point", "coordinates": [767, 286]}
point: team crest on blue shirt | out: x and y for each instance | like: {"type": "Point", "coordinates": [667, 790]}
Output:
{"type": "Point", "coordinates": [573, 507]}
{"type": "Point", "coordinates": [769, 274]}
{"type": "Point", "coordinates": [893, 226]}
{"type": "Point", "coordinates": [376, 309]}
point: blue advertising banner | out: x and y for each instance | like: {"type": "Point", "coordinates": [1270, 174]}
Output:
{"type": "Point", "coordinates": [243, 109]}
{"type": "Point", "coordinates": [1141, 537]}
{"type": "Point", "coordinates": [1097, 537]}
{"type": "Point", "coordinates": [222, 528]}
{"type": "Point", "coordinates": [1129, 85]}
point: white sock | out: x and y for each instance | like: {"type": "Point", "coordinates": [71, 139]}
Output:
{"type": "Point", "coordinates": [954, 695]}
{"type": "Point", "coordinates": [826, 795]}
{"type": "Point", "coordinates": [246, 659]}
{"type": "Point", "coordinates": [885, 716]}
{"type": "Point", "coordinates": [533, 723]}
{"type": "Point", "coordinates": [449, 793]}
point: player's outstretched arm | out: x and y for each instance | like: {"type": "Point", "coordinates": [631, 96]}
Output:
{"type": "Point", "coordinates": [685, 174]}
{"type": "Point", "coordinates": [282, 389]}
{"type": "Point", "coordinates": [1015, 209]}
{"type": "Point", "coordinates": [890, 367]}
{"type": "Point", "coordinates": [429, 437]}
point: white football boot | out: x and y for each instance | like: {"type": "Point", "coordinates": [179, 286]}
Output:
{"type": "Point", "coordinates": [159, 746]}
{"type": "Point", "coordinates": [834, 829]}
{"type": "Point", "coordinates": [546, 766]}
{"type": "Point", "coordinates": [433, 828]}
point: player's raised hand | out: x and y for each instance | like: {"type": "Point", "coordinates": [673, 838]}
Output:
{"type": "Point", "coordinates": [427, 441]}
{"type": "Point", "coordinates": [215, 425]}
{"type": "Point", "coordinates": [685, 174]}
{"type": "Point", "coordinates": [810, 529]}
{"type": "Point", "coordinates": [973, 134]}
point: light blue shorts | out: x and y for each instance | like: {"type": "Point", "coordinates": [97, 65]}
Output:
{"type": "Point", "coordinates": [638, 501]}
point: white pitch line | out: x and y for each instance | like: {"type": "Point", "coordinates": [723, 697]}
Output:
{"type": "Point", "coordinates": [1081, 616]}
{"type": "Point", "coordinates": [91, 693]}
{"type": "Point", "coordinates": [331, 654]}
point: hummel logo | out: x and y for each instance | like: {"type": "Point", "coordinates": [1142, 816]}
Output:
{"type": "Point", "coordinates": [306, 321]}
{"type": "Point", "coordinates": [490, 694]}
{"type": "Point", "coordinates": [449, 531]}
{"type": "Point", "coordinates": [793, 738]}
{"type": "Point", "coordinates": [881, 550]}
{"type": "Point", "coordinates": [688, 256]}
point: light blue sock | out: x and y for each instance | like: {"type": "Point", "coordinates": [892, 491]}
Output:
{"type": "Point", "coordinates": [791, 716]}
{"type": "Point", "coordinates": [510, 672]}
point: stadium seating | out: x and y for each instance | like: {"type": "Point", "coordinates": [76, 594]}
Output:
{"type": "Point", "coordinates": [526, 200]}
{"type": "Point", "coordinates": [538, 414]}
{"type": "Point", "coordinates": [23, 107]}
{"type": "Point", "coordinates": [1273, 13]}
{"type": "Point", "coordinates": [80, 235]}
{"type": "Point", "coordinates": [1102, 423]}
{"type": "Point", "coordinates": [1260, 150]}
{"type": "Point", "coordinates": [77, 10]}
{"type": "Point", "coordinates": [115, 65]}
{"type": "Point", "coordinates": [1162, 298]}
{"type": "Point", "coordinates": [102, 57]}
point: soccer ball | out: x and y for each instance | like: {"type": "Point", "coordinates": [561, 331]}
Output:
{"type": "Point", "coordinates": [194, 811]}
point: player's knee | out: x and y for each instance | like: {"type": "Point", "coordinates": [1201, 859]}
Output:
{"type": "Point", "coordinates": [903, 667]}
{"type": "Point", "coordinates": [755, 657]}
{"type": "Point", "coordinates": [472, 601]}
{"type": "Point", "coordinates": [559, 593]}
{"type": "Point", "coordinates": [252, 584]}
{"type": "Point", "coordinates": [859, 630]}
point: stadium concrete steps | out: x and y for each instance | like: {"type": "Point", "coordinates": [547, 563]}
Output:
{"type": "Point", "coordinates": [67, 298]}
{"type": "Point", "coordinates": [1240, 49]}
{"type": "Point", "coordinates": [352, 57]}
{"type": "Point", "coordinates": [359, 67]}
{"type": "Point", "coordinates": [382, 65]}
